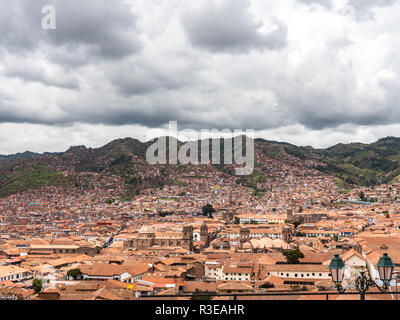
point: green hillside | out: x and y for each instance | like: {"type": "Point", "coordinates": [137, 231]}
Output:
{"type": "Point", "coordinates": [26, 178]}
{"type": "Point", "coordinates": [353, 164]}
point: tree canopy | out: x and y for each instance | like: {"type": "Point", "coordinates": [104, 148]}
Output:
{"type": "Point", "coordinates": [208, 210]}
{"type": "Point", "coordinates": [37, 285]}
{"type": "Point", "coordinates": [293, 256]}
{"type": "Point", "coordinates": [74, 273]}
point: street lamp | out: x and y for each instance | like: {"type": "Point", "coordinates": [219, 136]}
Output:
{"type": "Point", "coordinates": [385, 269]}
{"type": "Point", "coordinates": [337, 269]}
{"type": "Point", "coordinates": [363, 282]}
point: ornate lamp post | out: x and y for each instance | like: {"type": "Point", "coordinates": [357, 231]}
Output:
{"type": "Point", "coordinates": [363, 282]}
{"type": "Point", "coordinates": [385, 269]}
{"type": "Point", "coordinates": [337, 270]}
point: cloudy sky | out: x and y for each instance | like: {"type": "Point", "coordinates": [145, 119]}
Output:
{"type": "Point", "coordinates": [309, 72]}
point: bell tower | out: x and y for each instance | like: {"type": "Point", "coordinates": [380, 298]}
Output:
{"type": "Point", "coordinates": [289, 215]}
{"type": "Point", "coordinates": [204, 234]}
{"type": "Point", "coordinates": [187, 236]}
{"type": "Point", "coordinates": [244, 234]}
{"type": "Point", "coordinates": [287, 234]}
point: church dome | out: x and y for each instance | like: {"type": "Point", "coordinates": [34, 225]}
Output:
{"type": "Point", "coordinates": [247, 245]}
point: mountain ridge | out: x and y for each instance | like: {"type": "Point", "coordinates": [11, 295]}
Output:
{"type": "Point", "coordinates": [30, 153]}
{"type": "Point", "coordinates": [353, 164]}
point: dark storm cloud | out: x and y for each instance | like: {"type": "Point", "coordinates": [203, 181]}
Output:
{"type": "Point", "coordinates": [38, 74]}
{"type": "Point", "coordinates": [16, 27]}
{"type": "Point", "coordinates": [328, 114]}
{"type": "Point", "coordinates": [264, 79]}
{"type": "Point", "coordinates": [139, 78]}
{"type": "Point", "coordinates": [229, 27]}
{"type": "Point", "coordinates": [85, 29]}
{"type": "Point", "coordinates": [11, 113]}
{"type": "Point", "coordinates": [153, 119]}
{"type": "Point", "coordinates": [104, 28]}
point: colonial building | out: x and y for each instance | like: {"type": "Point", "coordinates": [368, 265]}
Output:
{"type": "Point", "coordinates": [305, 217]}
{"type": "Point", "coordinates": [245, 244]}
{"type": "Point", "coordinates": [14, 273]}
{"type": "Point", "coordinates": [147, 238]}
{"type": "Point", "coordinates": [300, 274]}
{"type": "Point", "coordinates": [204, 237]}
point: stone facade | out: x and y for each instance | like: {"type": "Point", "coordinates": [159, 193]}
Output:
{"type": "Point", "coordinates": [147, 238]}
{"type": "Point", "coordinates": [287, 234]}
{"type": "Point", "coordinates": [305, 217]}
{"type": "Point", "coordinates": [204, 237]}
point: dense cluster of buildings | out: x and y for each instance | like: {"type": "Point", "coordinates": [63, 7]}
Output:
{"type": "Point", "coordinates": [160, 243]}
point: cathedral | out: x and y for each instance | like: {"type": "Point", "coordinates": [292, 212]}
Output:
{"type": "Point", "coordinates": [147, 238]}
{"type": "Point", "coordinates": [244, 239]}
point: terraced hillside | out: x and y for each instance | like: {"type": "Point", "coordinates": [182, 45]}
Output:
{"type": "Point", "coordinates": [352, 165]}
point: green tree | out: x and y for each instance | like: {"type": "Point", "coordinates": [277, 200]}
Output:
{"type": "Point", "coordinates": [296, 224]}
{"type": "Point", "coordinates": [37, 285]}
{"type": "Point", "coordinates": [74, 273]}
{"type": "Point", "coordinates": [236, 220]}
{"type": "Point", "coordinates": [208, 210]}
{"type": "Point", "coordinates": [293, 256]}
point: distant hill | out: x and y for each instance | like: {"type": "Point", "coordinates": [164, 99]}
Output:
{"type": "Point", "coordinates": [364, 164]}
{"type": "Point", "coordinates": [25, 155]}
{"type": "Point", "coordinates": [352, 164]}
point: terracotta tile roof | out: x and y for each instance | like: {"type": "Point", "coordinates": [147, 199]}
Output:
{"type": "Point", "coordinates": [105, 294]}
{"type": "Point", "coordinates": [235, 286]}
{"type": "Point", "coordinates": [350, 253]}
{"type": "Point", "coordinates": [111, 283]}
{"type": "Point", "coordinates": [199, 286]}
{"type": "Point", "coordinates": [275, 280]}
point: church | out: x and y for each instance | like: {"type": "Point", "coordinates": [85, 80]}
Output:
{"type": "Point", "coordinates": [147, 237]}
